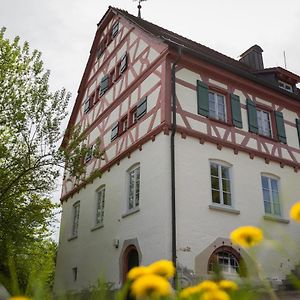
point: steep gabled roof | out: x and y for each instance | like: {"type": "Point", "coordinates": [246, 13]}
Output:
{"type": "Point", "coordinates": [205, 53]}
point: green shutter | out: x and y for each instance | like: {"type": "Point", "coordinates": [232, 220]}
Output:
{"type": "Point", "coordinates": [280, 126]}
{"type": "Point", "coordinates": [202, 98]}
{"type": "Point", "coordinates": [236, 111]}
{"type": "Point", "coordinates": [252, 116]}
{"type": "Point", "coordinates": [298, 129]}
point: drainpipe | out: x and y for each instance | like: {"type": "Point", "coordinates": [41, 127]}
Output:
{"type": "Point", "coordinates": [173, 130]}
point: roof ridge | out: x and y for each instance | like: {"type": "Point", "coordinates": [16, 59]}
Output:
{"type": "Point", "coordinates": [137, 21]}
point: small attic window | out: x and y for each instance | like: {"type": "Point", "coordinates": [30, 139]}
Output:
{"type": "Point", "coordinates": [285, 86]}
{"type": "Point", "coordinates": [115, 29]}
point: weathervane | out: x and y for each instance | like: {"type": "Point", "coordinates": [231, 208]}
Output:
{"type": "Point", "coordinates": [139, 7]}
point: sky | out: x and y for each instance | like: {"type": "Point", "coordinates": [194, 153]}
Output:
{"type": "Point", "coordinates": [63, 30]}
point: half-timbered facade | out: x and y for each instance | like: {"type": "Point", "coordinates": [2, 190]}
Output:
{"type": "Point", "coordinates": [195, 144]}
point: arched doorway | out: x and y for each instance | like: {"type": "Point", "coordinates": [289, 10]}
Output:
{"type": "Point", "coordinates": [130, 260]}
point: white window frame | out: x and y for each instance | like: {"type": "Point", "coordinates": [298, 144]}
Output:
{"type": "Point", "coordinates": [216, 106]}
{"type": "Point", "coordinates": [100, 206]}
{"type": "Point", "coordinates": [221, 191]}
{"type": "Point", "coordinates": [270, 177]}
{"type": "Point", "coordinates": [261, 122]}
{"type": "Point", "coordinates": [133, 188]}
{"type": "Point", "coordinates": [75, 219]}
{"type": "Point", "coordinates": [226, 268]}
{"type": "Point", "coordinates": [285, 86]}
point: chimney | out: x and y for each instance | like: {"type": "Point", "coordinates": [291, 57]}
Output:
{"type": "Point", "coordinates": [253, 58]}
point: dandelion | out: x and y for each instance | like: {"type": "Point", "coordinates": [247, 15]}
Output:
{"type": "Point", "coordinates": [207, 285]}
{"type": "Point", "coordinates": [295, 212]}
{"type": "Point", "coordinates": [164, 268]}
{"type": "Point", "coordinates": [151, 285]}
{"type": "Point", "coordinates": [246, 236]}
{"type": "Point", "coordinates": [189, 291]}
{"type": "Point", "coordinates": [228, 285]}
{"type": "Point", "coordinates": [215, 295]}
{"type": "Point", "coordinates": [137, 272]}
{"type": "Point", "coordinates": [19, 298]}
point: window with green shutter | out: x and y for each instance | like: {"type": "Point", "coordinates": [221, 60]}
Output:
{"type": "Point", "coordinates": [104, 85]}
{"type": "Point", "coordinates": [115, 29]}
{"type": "Point", "coordinates": [252, 116]}
{"type": "Point", "coordinates": [202, 98]}
{"type": "Point", "coordinates": [236, 111]}
{"type": "Point", "coordinates": [280, 126]}
{"type": "Point", "coordinates": [298, 129]}
{"type": "Point", "coordinates": [123, 63]}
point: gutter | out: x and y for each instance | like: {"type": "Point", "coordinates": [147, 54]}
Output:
{"type": "Point", "coordinates": [173, 131]}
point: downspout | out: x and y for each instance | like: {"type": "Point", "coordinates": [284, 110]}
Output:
{"type": "Point", "coordinates": [173, 131]}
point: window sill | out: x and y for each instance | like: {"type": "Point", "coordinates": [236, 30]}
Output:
{"type": "Point", "coordinates": [220, 121]}
{"type": "Point", "coordinates": [97, 227]}
{"type": "Point", "coordinates": [224, 208]}
{"type": "Point", "coordinates": [276, 219]}
{"type": "Point", "coordinates": [73, 238]}
{"type": "Point", "coordinates": [131, 212]}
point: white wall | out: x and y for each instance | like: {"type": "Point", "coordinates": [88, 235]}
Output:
{"type": "Point", "coordinates": [198, 226]}
{"type": "Point", "coordinates": [92, 252]}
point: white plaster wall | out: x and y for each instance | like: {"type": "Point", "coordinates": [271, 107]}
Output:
{"type": "Point", "coordinates": [93, 252]}
{"type": "Point", "coordinates": [198, 226]}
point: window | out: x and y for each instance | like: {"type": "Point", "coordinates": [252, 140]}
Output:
{"type": "Point", "coordinates": [133, 187]}
{"type": "Point", "coordinates": [220, 184]}
{"type": "Point", "coordinates": [260, 121]}
{"type": "Point", "coordinates": [115, 29]}
{"type": "Point", "coordinates": [123, 124]}
{"type": "Point", "coordinates": [285, 86]}
{"type": "Point", "coordinates": [100, 50]}
{"type": "Point", "coordinates": [141, 108]}
{"type": "Point", "coordinates": [270, 188]}
{"type": "Point", "coordinates": [89, 154]}
{"type": "Point", "coordinates": [264, 123]}
{"type": "Point", "coordinates": [217, 106]}
{"type": "Point", "coordinates": [86, 105]}
{"type": "Point", "coordinates": [114, 132]}
{"type": "Point", "coordinates": [104, 85]}
{"type": "Point", "coordinates": [100, 195]}
{"type": "Point", "coordinates": [76, 208]}
{"type": "Point", "coordinates": [224, 261]}
{"type": "Point", "coordinates": [123, 63]}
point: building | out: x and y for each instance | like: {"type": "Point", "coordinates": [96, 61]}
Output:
{"type": "Point", "coordinates": [175, 183]}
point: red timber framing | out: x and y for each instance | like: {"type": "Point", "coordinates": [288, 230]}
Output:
{"type": "Point", "coordinates": [98, 120]}
{"type": "Point", "coordinates": [219, 133]}
{"type": "Point", "coordinates": [225, 134]}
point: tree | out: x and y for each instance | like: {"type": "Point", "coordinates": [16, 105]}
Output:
{"type": "Point", "coordinates": [30, 135]}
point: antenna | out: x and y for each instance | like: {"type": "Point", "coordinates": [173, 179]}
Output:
{"type": "Point", "coordinates": [139, 7]}
{"type": "Point", "coordinates": [284, 58]}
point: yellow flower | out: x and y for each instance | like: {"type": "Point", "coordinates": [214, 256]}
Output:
{"type": "Point", "coordinates": [189, 291]}
{"type": "Point", "coordinates": [215, 295]}
{"type": "Point", "coordinates": [228, 285]}
{"type": "Point", "coordinates": [151, 285]}
{"type": "Point", "coordinates": [207, 285]}
{"type": "Point", "coordinates": [295, 212]}
{"type": "Point", "coordinates": [137, 272]}
{"type": "Point", "coordinates": [19, 298]}
{"type": "Point", "coordinates": [247, 236]}
{"type": "Point", "coordinates": [164, 268]}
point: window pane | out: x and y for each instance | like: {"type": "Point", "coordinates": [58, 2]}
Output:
{"type": "Point", "coordinates": [227, 198]}
{"type": "Point", "coordinates": [264, 182]}
{"type": "Point", "coordinates": [226, 185]}
{"type": "Point", "coordinates": [266, 195]}
{"type": "Point", "coordinates": [215, 196]}
{"type": "Point", "coordinates": [268, 208]}
{"type": "Point", "coordinates": [215, 183]}
{"type": "Point", "coordinates": [276, 207]}
{"type": "Point", "coordinates": [225, 172]}
{"type": "Point", "coordinates": [274, 185]}
{"type": "Point", "coordinates": [214, 169]}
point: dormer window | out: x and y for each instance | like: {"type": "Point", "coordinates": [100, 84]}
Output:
{"type": "Point", "coordinates": [285, 86]}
